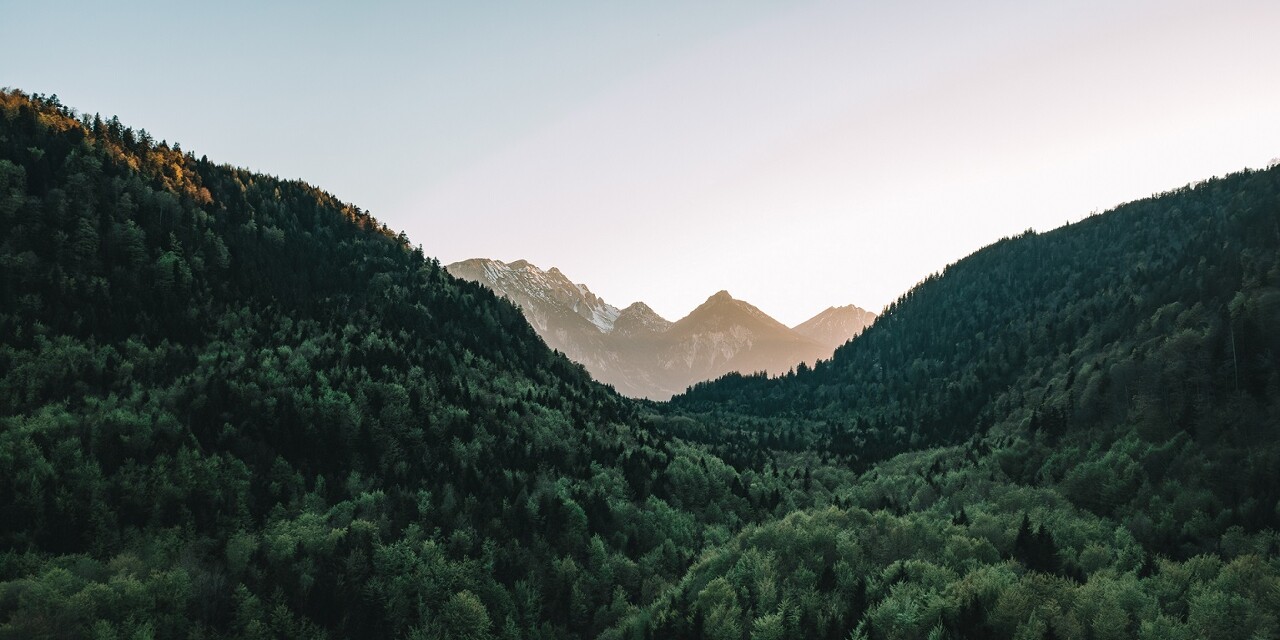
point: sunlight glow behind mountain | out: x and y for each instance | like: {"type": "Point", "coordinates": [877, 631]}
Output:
{"type": "Point", "coordinates": [817, 154]}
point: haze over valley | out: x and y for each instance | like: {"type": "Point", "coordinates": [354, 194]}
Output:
{"type": "Point", "coordinates": [644, 355]}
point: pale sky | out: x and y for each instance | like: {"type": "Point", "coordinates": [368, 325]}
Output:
{"type": "Point", "coordinates": [799, 155]}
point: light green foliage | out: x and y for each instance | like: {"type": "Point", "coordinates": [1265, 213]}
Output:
{"type": "Point", "coordinates": [465, 617]}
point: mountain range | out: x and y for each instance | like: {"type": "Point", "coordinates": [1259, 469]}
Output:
{"type": "Point", "coordinates": [644, 355]}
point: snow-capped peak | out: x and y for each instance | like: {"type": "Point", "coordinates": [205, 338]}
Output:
{"type": "Point", "coordinates": [549, 291]}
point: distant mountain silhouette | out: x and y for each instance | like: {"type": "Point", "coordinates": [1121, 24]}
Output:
{"type": "Point", "coordinates": [642, 354]}
{"type": "Point", "coordinates": [836, 325]}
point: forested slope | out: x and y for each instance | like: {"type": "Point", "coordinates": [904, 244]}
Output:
{"type": "Point", "coordinates": [1112, 388]}
{"type": "Point", "coordinates": [1076, 320]}
{"type": "Point", "coordinates": [233, 406]}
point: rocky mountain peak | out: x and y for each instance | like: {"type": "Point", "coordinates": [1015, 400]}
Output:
{"type": "Point", "coordinates": [836, 325]}
{"type": "Point", "coordinates": [640, 352]}
{"type": "Point", "coordinates": [639, 319]}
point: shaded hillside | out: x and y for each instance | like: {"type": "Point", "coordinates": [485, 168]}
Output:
{"type": "Point", "coordinates": [231, 405]}
{"type": "Point", "coordinates": [1111, 387]}
{"type": "Point", "coordinates": [1068, 319]}
{"type": "Point", "coordinates": [568, 316]}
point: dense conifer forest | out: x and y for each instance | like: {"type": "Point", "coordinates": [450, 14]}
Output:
{"type": "Point", "coordinates": [234, 406]}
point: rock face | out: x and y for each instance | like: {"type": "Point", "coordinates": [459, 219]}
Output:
{"type": "Point", "coordinates": [639, 320]}
{"type": "Point", "coordinates": [836, 325]}
{"type": "Point", "coordinates": [724, 334]}
{"type": "Point", "coordinates": [547, 297]}
{"type": "Point", "coordinates": [644, 355]}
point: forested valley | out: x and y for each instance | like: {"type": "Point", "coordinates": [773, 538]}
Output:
{"type": "Point", "coordinates": [233, 406]}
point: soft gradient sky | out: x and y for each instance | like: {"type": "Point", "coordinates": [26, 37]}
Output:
{"type": "Point", "coordinates": [798, 154]}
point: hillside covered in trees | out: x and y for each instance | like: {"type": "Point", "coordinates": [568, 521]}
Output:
{"type": "Point", "coordinates": [1118, 376]}
{"type": "Point", "coordinates": [233, 406]}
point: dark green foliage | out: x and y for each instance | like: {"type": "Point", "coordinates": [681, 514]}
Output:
{"type": "Point", "coordinates": [1035, 548]}
{"type": "Point", "coordinates": [1114, 433]}
{"type": "Point", "coordinates": [232, 406]}
{"type": "Point", "coordinates": [1126, 352]}
{"type": "Point", "coordinates": [1073, 315]}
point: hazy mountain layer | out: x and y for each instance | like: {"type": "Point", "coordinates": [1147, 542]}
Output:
{"type": "Point", "coordinates": [642, 354]}
{"type": "Point", "coordinates": [836, 325]}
